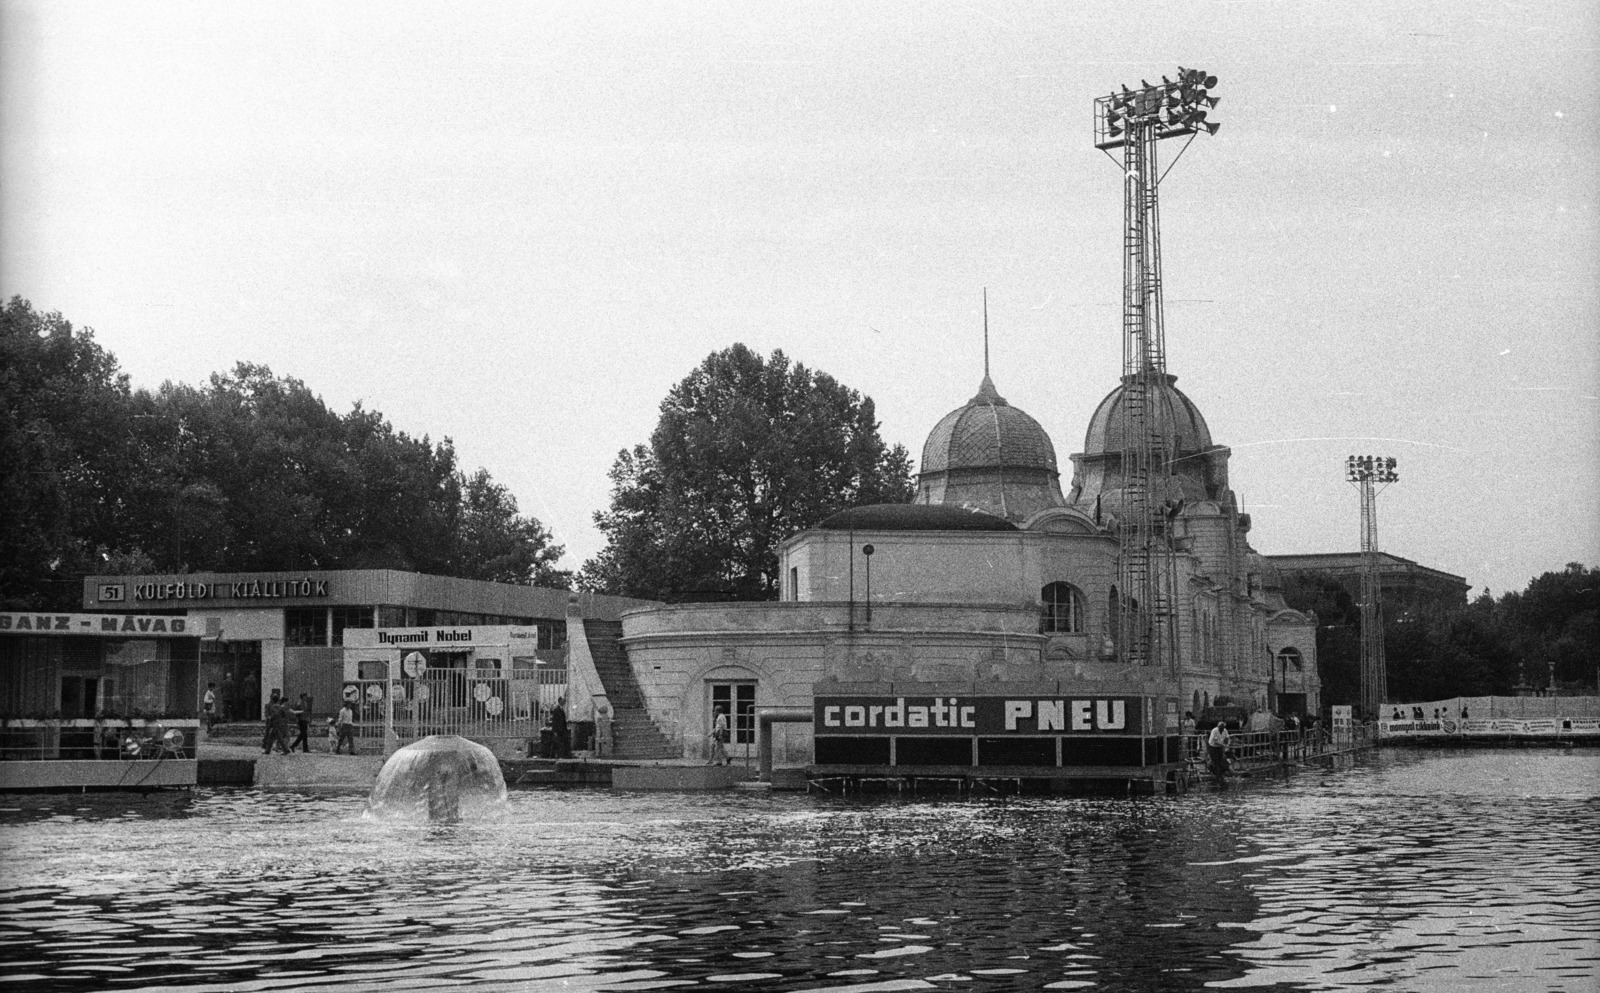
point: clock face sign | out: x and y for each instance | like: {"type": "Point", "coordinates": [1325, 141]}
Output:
{"type": "Point", "coordinates": [374, 692]}
{"type": "Point", "coordinates": [493, 706]}
{"type": "Point", "coordinates": [482, 692]}
{"type": "Point", "coordinates": [423, 693]}
{"type": "Point", "coordinates": [414, 664]}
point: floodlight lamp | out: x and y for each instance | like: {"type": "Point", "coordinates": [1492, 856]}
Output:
{"type": "Point", "coordinates": [1213, 128]}
{"type": "Point", "coordinates": [1211, 81]}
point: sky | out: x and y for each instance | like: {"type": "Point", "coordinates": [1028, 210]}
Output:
{"type": "Point", "coordinates": [518, 226]}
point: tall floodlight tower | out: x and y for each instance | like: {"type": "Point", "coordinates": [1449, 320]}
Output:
{"type": "Point", "coordinates": [1136, 121]}
{"type": "Point", "coordinates": [1370, 474]}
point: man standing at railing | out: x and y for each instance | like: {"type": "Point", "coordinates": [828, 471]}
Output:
{"type": "Point", "coordinates": [1217, 750]}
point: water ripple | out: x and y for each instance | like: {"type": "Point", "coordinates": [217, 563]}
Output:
{"type": "Point", "coordinates": [1426, 871]}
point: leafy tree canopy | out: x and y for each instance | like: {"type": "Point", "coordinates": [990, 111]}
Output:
{"type": "Point", "coordinates": [249, 472]}
{"type": "Point", "coordinates": [747, 451]}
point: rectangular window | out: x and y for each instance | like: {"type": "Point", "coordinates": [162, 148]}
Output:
{"type": "Point", "coordinates": [349, 617]}
{"type": "Point", "coordinates": [391, 617]}
{"type": "Point", "coordinates": [305, 626]}
{"type": "Point", "coordinates": [738, 700]}
{"type": "Point", "coordinates": [794, 582]}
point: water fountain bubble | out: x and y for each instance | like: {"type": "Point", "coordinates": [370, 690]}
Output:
{"type": "Point", "coordinates": [444, 778]}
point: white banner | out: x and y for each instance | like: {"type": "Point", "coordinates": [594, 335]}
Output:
{"type": "Point", "coordinates": [1445, 727]}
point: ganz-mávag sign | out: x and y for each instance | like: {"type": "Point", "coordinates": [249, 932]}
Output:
{"type": "Point", "coordinates": [978, 715]}
{"type": "Point", "coordinates": [103, 625]}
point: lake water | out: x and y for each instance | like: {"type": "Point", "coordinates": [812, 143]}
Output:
{"type": "Point", "coordinates": [1409, 870]}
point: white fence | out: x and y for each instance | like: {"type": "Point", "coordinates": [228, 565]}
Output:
{"type": "Point", "coordinates": [503, 713]}
{"type": "Point", "coordinates": [1492, 717]}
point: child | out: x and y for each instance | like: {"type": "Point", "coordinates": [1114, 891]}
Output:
{"type": "Point", "coordinates": [333, 735]}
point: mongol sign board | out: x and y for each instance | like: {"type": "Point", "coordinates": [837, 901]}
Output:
{"type": "Point", "coordinates": [989, 716]}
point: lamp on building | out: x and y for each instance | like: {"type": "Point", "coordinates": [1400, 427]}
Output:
{"type": "Point", "coordinates": [867, 550]}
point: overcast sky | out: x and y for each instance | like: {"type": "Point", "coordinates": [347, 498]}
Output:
{"type": "Point", "coordinates": [518, 226]}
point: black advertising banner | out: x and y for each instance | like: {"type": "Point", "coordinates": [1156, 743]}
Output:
{"type": "Point", "coordinates": [989, 716]}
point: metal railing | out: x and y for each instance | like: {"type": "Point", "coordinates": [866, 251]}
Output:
{"type": "Point", "coordinates": [47, 740]}
{"type": "Point", "coordinates": [490, 710]}
{"type": "Point", "coordinates": [1255, 749]}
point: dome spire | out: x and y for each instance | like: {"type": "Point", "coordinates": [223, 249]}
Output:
{"type": "Point", "coordinates": [987, 394]}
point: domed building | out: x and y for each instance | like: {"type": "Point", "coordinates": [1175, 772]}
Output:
{"type": "Point", "coordinates": [991, 582]}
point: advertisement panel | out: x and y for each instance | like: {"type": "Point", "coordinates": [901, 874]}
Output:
{"type": "Point", "coordinates": [989, 716]}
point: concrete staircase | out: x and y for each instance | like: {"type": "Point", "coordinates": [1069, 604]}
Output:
{"type": "Point", "coordinates": [634, 735]}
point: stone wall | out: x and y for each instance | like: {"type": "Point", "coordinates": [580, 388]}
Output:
{"type": "Point", "coordinates": [785, 648]}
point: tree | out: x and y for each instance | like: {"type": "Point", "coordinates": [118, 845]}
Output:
{"type": "Point", "coordinates": [500, 545]}
{"type": "Point", "coordinates": [248, 472]}
{"type": "Point", "coordinates": [64, 443]}
{"type": "Point", "coordinates": [746, 452]}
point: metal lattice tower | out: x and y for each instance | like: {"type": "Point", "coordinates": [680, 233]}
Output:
{"type": "Point", "coordinates": [1365, 471]}
{"type": "Point", "coordinates": [1136, 121]}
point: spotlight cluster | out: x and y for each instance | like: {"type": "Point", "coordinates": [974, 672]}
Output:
{"type": "Point", "coordinates": [1170, 107]}
{"type": "Point", "coordinates": [1374, 468]}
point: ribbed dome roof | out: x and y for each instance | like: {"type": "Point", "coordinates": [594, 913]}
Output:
{"type": "Point", "coordinates": [1177, 419]}
{"type": "Point", "coordinates": [914, 517]}
{"type": "Point", "coordinates": [987, 433]}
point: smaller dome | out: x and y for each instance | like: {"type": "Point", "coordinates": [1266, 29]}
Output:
{"type": "Point", "coordinates": [914, 517]}
{"type": "Point", "coordinates": [987, 433]}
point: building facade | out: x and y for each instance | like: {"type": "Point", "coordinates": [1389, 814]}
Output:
{"type": "Point", "coordinates": [1405, 586]}
{"type": "Point", "coordinates": [994, 580]}
{"type": "Point", "coordinates": [293, 631]}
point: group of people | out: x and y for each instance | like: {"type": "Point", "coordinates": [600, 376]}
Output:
{"type": "Point", "coordinates": [1439, 713]}
{"type": "Point", "coordinates": [232, 701]}
{"type": "Point", "coordinates": [279, 712]}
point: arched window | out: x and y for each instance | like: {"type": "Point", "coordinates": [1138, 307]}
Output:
{"type": "Point", "coordinates": [1290, 656]}
{"type": "Point", "coordinates": [1061, 609]}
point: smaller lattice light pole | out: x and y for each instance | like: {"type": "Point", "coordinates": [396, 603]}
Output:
{"type": "Point", "coordinates": [1370, 474]}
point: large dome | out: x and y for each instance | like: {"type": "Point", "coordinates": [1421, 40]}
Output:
{"type": "Point", "coordinates": [1178, 421]}
{"type": "Point", "coordinates": [1199, 468]}
{"type": "Point", "coordinates": [987, 433]}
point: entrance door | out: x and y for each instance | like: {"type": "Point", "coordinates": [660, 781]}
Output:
{"type": "Point", "coordinates": [738, 701]}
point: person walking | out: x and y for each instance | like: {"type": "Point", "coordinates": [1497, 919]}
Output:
{"type": "Point", "coordinates": [719, 737]}
{"type": "Point", "coordinates": [345, 725]}
{"type": "Point", "coordinates": [228, 697]}
{"type": "Point", "coordinates": [208, 704]}
{"type": "Point", "coordinates": [302, 718]}
{"type": "Point", "coordinates": [1217, 750]}
{"type": "Point", "coordinates": [277, 721]}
